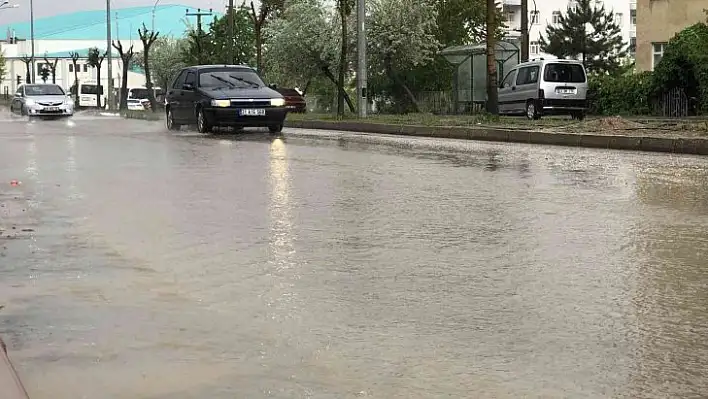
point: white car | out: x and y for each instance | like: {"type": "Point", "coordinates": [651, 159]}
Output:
{"type": "Point", "coordinates": [45, 100]}
{"type": "Point", "coordinates": [135, 104]}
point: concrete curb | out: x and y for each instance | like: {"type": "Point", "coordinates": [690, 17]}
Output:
{"type": "Point", "coordinates": [10, 385]}
{"type": "Point", "coordinates": [678, 145]}
{"type": "Point", "coordinates": [143, 115]}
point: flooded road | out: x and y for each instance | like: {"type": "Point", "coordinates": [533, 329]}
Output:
{"type": "Point", "coordinates": [137, 263]}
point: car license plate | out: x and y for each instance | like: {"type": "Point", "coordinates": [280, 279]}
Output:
{"type": "Point", "coordinates": [51, 109]}
{"type": "Point", "coordinates": [565, 91]}
{"type": "Point", "coordinates": [252, 112]}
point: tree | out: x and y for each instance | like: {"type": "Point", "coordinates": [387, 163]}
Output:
{"type": "Point", "coordinates": [266, 9]}
{"type": "Point", "coordinates": [303, 45]}
{"type": "Point", "coordinates": [3, 66]}
{"type": "Point", "coordinates": [148, 37]}
{"type": "Point", "coordinates": [166, 59]}
{"type": "Point", "coordinates": [587, 32]}
{"type": "Point", "coordinates": [244, 42]}
{"type": "Point", "coordinates": [344, 8]}
{"type": "Point", "coordinates": [52, 65]}
{"type": "Point", "coordinates": [401, 36]}
{"type": "Point", "coordinates": [28, 67]}
{"type": "Point", "coordinates": [125, 56]}
{"type": "Point", "coordinates": [75, 62]}
{"type": "Point", "coordinates": [491, 41]}
{"type": "Point", "coordinates": [95, 59]}
{"type": "Point", "coordinates": [44, 73]}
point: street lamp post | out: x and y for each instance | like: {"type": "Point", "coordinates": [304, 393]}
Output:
{"type": "Point", "coordinates": [153, 14]}
{"type": "Point", "coordinates": [361, 74]}
{"type": "Point", "coordinates": [32, 39]}
{"type": "Point", "coordinates": [109, 49]}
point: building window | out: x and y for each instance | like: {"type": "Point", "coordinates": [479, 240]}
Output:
{"type": "Point", "coordinates": [534, 17]}
{"type": "Point", "coordinates": [534, 48]}
{"type": "Point", "coordinates": [556, 17]}
{"type": "Point", "coordinates": [632, 45]}
{"type": "Point", "coordinates": [85, 67]}
{"type": "Point", "coordinates": [510, 16]}
{"type": "Point", "coordinates": [633, 17]}
{"type": "Point", "coordinates": [658, 53]}
{"type": "Point", "coordinates": [618, 18]}
{"type": "Point", "coordinates": [71, 67]}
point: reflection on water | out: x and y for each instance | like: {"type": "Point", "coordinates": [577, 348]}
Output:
{"type": "Point", "coordinates": [191, 267]}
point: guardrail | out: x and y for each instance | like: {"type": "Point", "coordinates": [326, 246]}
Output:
{"type": "Point", "coordinates": [10, 385]}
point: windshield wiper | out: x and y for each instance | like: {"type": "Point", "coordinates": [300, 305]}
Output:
{"type": "Point", "coordinates": [220, 79]}
{"type": "Point", "coordinates": [245, 81]}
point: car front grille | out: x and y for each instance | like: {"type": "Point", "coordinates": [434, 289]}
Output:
{"type": "Point", "coordinates": [50, 104]}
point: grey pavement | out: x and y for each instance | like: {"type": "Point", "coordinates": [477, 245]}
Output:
{"type": "Point", "coordinates": [140, 263]}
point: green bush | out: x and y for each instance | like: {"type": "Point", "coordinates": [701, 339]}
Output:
{"type": "Point", "coordinates": [685, 65]}
{"type": "Point", "coordinates": [620, 95]}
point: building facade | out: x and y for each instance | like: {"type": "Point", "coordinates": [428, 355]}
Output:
{"type": "Point", "coordinates": [658, 21]}
{"type": "Point", "coordinates": [547, 12]}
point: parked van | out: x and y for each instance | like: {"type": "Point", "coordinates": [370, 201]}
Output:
{"type": "Point", "coordinates": [545, 87]}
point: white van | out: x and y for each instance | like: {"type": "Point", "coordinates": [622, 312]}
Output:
{"type": "Point", "coordinates": [545, 87]}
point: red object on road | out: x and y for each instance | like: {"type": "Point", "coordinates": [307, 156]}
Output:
{"type": "Point", "coordinates": [14, 183]}
{"type": "Point", "coordinates": [10, 385]}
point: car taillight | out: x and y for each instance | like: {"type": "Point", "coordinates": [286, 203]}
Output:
{"type": "Point", "coordinates": [541, 95]}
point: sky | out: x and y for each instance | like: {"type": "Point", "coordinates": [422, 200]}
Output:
{"type": "Point", "coordinates": [47, 8]}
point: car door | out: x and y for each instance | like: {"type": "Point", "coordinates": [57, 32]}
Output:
{"type": "Point", "coordinates": [174, 96]}
{"type": "Point", "coordinates": [506, 99]}
{"type": "Point", "coordinates": [527, 85]}
{"type": "Point", "coordinates": [189, 96]}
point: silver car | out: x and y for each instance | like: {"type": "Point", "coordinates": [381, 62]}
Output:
{"type": "Point", "coordinates": [545, 87]}
{"type": "Point", "coordinates": [45, 100]}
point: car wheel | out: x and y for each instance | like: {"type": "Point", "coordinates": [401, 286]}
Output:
{"type": "Point", "coordinates": [23, 111]}
{"type": "Point", "coordinates": [202, 123]}
{"type": "Point", "coordinates": [275, 128]}
{"type": "Point", "coordinates": [531, 111]}
{"type": "Point", "coordinates": [171, 125]}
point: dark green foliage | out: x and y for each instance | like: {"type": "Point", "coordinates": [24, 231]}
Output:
{"type": "Point", "coordinates": [685, 65]}
{"type": "Point", "coordinates": [44, 73]}
{"type": "Point", "coordinates": [629, 94]}
{"type": "Point", "coordinates": [211, 47]}
{"type": "Point", "coordinates": [601, 47]}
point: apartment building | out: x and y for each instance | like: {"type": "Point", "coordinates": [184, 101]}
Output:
{"type": "Point", "coordinates": [547, 12]}
{"type": "Point", "coordinates": [658, 21]}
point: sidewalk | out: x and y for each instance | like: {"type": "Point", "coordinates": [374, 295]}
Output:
{"type": "Point", "coordinates": [611, 133]}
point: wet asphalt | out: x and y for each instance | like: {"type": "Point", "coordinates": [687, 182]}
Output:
{"type": "Point", "coordinates": [141, 263]}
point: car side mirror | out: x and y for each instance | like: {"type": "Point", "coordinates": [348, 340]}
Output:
{"type": "Point", "coordinates": [273, 86]}
{"type": "Point", "coordinates": [187, 86]}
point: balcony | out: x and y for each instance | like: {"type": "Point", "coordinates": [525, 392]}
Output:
{"type": "Point", "coordinates": [512, 3]}
{"type": "Point", "coordinates": [633, 4]}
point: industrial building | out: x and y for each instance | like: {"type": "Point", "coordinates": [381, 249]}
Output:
{"type": "Point", "coordinates": [58, 36]}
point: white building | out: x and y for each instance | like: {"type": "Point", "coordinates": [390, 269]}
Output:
{"type": "Point", "coordinates": [546, 12]}
{"type": "Point", "coordinates": [56, 37]}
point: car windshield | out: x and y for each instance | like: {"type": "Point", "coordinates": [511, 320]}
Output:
{"type": "Point", "coordinates": [43, 90]}
{"type": "Point", "coordinates": [90, 89]}
{"type": "Point", "coordinates": [231, 78]}
{"type": "Point", "coordinates": [564, 73]}
{"type": "Point", "coordinates": [138, 93]}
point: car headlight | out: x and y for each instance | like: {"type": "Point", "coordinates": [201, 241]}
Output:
{"type": "Point", "coordinates": [29, 101]}
{"type": "Point", "coordinates": [277, 102]}
{"type": "Point", "coordinates": [220, 103]}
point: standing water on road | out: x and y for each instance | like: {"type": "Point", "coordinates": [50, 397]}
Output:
{"type": "Point", "coordinates": [137, 263]}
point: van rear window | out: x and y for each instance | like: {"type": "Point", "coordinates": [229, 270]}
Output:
{"type": "Point", "coordinates": [564, 73]}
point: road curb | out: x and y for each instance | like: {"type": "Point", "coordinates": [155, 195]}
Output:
{"type": "Point", "coordinates": [678, 145]}
{"type": "Point", "coordinates": [143, 115]}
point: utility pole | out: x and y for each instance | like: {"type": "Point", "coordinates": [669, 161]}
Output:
{"type": "Point", "coordinates": [32, 39]}
{"type": "Point", "coordinates": [199, 14]}
{"type": "Point", "coordinates": [109, 50]}
{"type": "Point", "coordinates": [492, 94]}
{"type": "Point", "coordinates": [361, 78]}
{"type": "Point", "coordinates": [232, 39]}
{"type": "Point", "coordinates": [525, 30]}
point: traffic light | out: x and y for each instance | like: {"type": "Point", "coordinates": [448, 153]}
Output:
{"type": "Point", "coordinates": [19, 80]}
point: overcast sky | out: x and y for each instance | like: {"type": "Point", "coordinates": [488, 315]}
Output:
{"type": "Point", "coordinates": [45, 8]}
